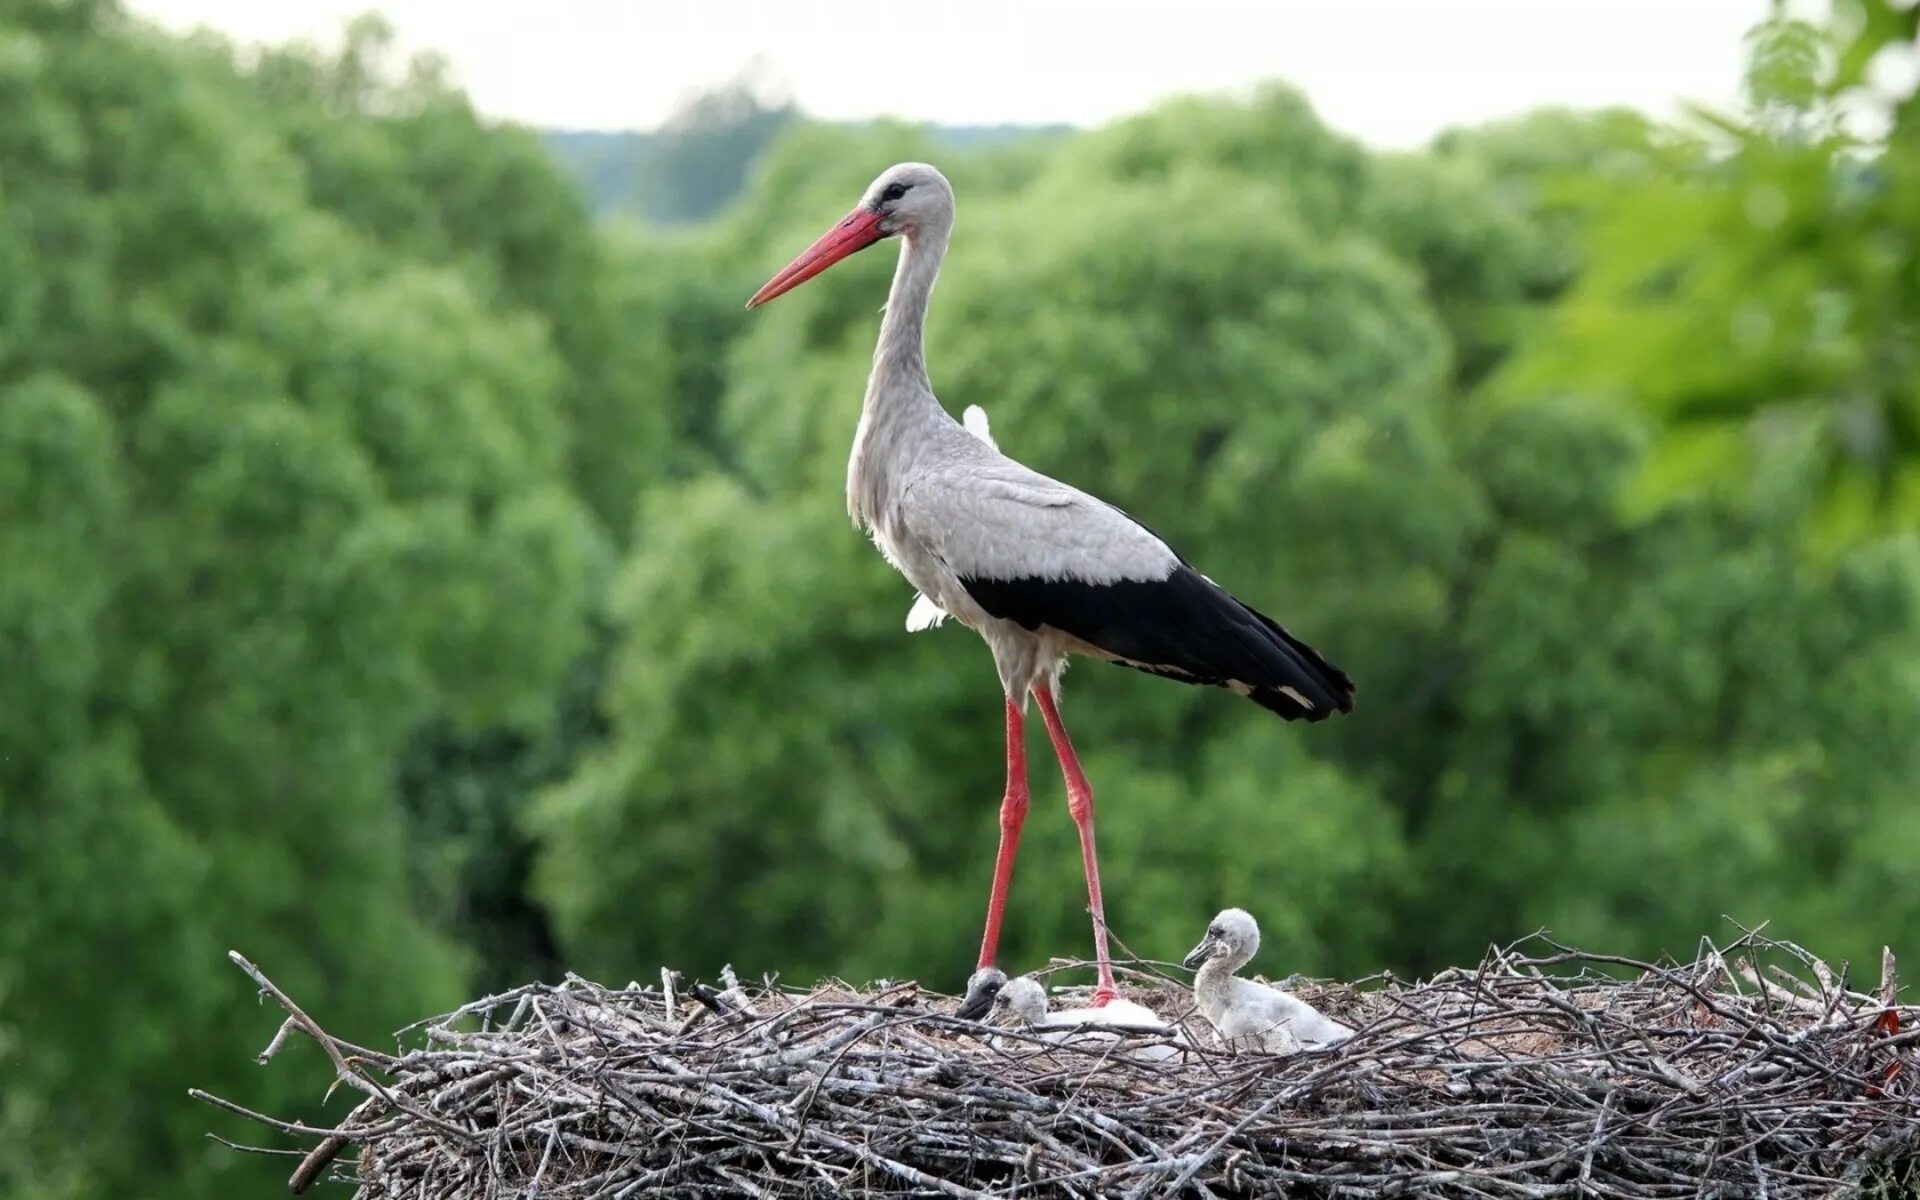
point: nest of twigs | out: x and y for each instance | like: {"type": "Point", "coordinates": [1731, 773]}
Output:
{"type": "Point", "coordinates": [1752, 1071]}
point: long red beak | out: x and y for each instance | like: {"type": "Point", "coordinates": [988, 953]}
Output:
{"type": "Point", "coordinates": [856, 231]}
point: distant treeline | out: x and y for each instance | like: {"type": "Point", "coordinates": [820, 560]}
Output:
{"type": "Point", "coordinates": [688, 170]}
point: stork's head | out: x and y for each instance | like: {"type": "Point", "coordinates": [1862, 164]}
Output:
{"type": "Point", "coordinates": [907, 199]}
{"type": "Point", "coordinates": [1024, 1000]}
{"type": "Point", "coordinates": [982, 989]}
{"type": "Point", "coordinates": [1232, 939]}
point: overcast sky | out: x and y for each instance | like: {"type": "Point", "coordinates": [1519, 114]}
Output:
{"type": "Point", "coordinates": [1390, 71]}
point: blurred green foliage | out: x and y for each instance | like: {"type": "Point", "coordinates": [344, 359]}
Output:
{"type": "Point", "coordinates": [1757, 298]}
{"type": "Point", "coordinates": [690, 168]}
{"type": "Point", "coordinates": [416, 587]}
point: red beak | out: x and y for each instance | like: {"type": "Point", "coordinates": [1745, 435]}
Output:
{"type": "Point", "coordinates": [856, 231]}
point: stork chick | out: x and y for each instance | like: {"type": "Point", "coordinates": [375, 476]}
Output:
{"type": "Point", "coordinates": [1026, 1001]}
{"type": "Point", "coordinates": [1249, 1015]}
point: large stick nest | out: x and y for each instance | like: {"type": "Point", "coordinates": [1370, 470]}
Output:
{"type": "Point", "coordinates": [1752, 1071]}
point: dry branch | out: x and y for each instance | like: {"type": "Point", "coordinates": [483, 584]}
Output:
{"type": "Point", "coordinates": [1751, 1071]}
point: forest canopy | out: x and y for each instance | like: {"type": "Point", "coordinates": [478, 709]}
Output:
{"type": "Point", "coordinates": [420, 585]}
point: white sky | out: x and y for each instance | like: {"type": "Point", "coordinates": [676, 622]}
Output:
{"type": "Point", "coordinates": [1393, 72]}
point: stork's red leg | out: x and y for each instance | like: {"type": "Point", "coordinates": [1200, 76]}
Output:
{"type": "Point", "coordinates": [1013, 814]}
{"type": "Point", "coordinates": [1080, 804]}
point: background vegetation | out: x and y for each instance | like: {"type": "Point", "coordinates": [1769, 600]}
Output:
{"type": "Point", "coordinates": [420, 586]}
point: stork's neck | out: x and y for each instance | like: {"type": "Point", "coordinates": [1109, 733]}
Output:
{"type": "Point", "coordinates": [1213, 984]}
{"type": "Point", "coordinates": [900, 416]}
{"type": "Point", "coordinates": [900, 358]}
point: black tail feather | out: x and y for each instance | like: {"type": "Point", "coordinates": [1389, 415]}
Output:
{"type": "Point", "coordinates": [1183, 627]}
{"type": "Point", "coordinates": [1334, 685]}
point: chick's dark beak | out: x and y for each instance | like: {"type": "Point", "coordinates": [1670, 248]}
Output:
{"type": "Point", "coordinates": [981, 995]}
{"type": "Point", "coordinates": [1201, 953]}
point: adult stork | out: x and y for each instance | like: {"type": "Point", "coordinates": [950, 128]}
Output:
{"type": "Point", "coordinates": [1038, 569]}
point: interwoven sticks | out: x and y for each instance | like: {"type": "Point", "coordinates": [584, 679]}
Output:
{"type": "Point", "coordinates": [1752, 1071]}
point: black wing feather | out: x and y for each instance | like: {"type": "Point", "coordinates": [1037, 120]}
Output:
{"type": "Point", "coordinates": [1183, 627]}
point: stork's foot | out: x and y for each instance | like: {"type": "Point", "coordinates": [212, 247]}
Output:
{"type": "Point", "coordinates": [982, 989]}
{"type": "Point", "coordinates": [1104, 995]}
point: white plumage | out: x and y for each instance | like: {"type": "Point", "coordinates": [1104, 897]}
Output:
{"type": "Point", "coordinates": [1039, 569]}
{"type": "Point", "coordinates": [1249, 1015]}
{"type": "Point", "coordinates": [925, 614]}
{"type": "Point", "coordinates": [1013, 523]}
{"type": "Point", "coordinates": [1025, 1001]}
{"type": "Point", "coordinates": [974, 421]}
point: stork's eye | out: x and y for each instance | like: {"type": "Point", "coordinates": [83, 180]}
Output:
{"type": "Point", "coordinates": [894, 191]}
{"type": "Point", "coordinates": [1213, 931]}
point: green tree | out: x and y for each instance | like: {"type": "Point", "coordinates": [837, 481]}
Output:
{"type": "Point", "coordinates": [402, 159]}
{"type": "Point", "coordinates": [702, 154]}
{"type": "Point", "coordinates": [277, 486]}
{"type": "Point", "coordinates": [1762, 300]}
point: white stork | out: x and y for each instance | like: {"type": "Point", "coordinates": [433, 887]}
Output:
{"type": "Point", "coordinates": [1039, 569]}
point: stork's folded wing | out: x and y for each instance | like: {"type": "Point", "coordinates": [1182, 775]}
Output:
{"type": "Point", "coordinates": [1025, 526]}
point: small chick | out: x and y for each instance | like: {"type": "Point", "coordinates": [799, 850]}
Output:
{"type": "Point", "coordinates": [1025, 1001]}
{"type": "Point", "coordinates": [1249, 1015]}
{"type": "Point", "coordinates": [983, 987]}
